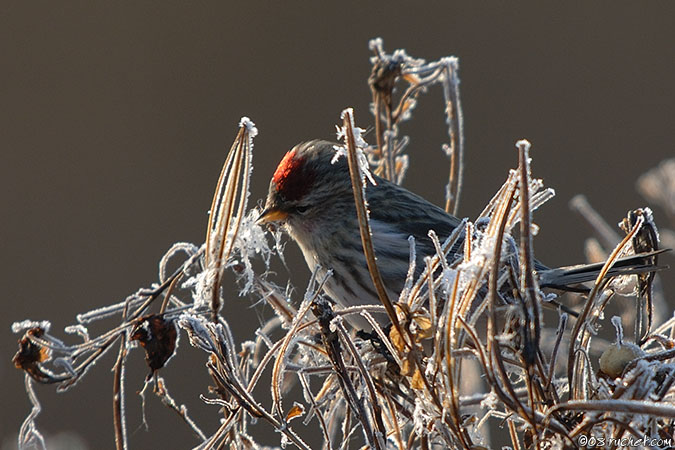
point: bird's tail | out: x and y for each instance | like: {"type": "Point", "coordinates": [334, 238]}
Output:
{"type": "Point", "coordinates": [568, 278]}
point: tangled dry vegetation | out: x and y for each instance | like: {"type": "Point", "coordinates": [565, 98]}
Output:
{"type": "Point", "coordinates": [474, 342]}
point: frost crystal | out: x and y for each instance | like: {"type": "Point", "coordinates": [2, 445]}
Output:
{"type": "Point", "coordinates": [250, 126]}
{"type": "Point", "coordinates": [616, 321]}
{"type": "Point", "coordinates": [360, 143]}
{"type": "Point", "coordinates": [251, 241]}
{"type": "Point", "coordinates": [18, 327]}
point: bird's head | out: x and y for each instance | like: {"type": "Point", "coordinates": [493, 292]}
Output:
{"type": "Point", "coordinates": [307, 188]}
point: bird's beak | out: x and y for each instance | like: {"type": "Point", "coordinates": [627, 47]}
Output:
{"type": "Point", "coordinates": [271, 214]}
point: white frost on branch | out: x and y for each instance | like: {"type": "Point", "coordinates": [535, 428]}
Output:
{"type": "Point", "coordinates": [18, 327]}
{"type": "Point", "coordinates": [250, 126]}
{"type": "Point", "coordinates": [251, 241]}
{"type": "Point", "coordinates": [359, 142]}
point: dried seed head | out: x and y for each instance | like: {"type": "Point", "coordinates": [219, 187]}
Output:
{"type": "Point", "coordinates": [30, 355]}
{"type": "Point", "coordinates": [158, 337]}
{"type": "Point", "coordinates": [615, 359]}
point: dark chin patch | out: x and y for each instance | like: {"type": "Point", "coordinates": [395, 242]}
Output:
{"type": "Point", "coordinates": [292, 178]}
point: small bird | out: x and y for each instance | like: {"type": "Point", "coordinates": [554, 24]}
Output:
{"type": "Point", "coordinates": [311, 196]}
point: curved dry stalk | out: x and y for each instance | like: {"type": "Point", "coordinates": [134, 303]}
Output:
{"type": "Point", "coordinates": [493, 347]}
{"type": "Point", "coordinates": [455, 121]}
{"type": "Point", "coordinates": [169, 291]}
{"type": "Point", "coordinates": [386, 72]}
{"type": "Point", "coordinates": [581, 320]}
{"type": "Point", "coordinates": [163, 393]}
{"type": "Point", "coordinates": [223, 221]}
{"type": "Point", "coordinates": [362, 216]}
{"type": "Point", "coordinates": [393, 419]}
{"type": "Point", "coordinates": [527, 280]}
{"type": "Point", "coordinates": [297, 323]}
{"type": "Point", "coordinates": [528, 284]}
{"type": "Point", "coordinates": [449, 341]}
{"type": "Point", "coordinates": [554, 353]}
{"type": "Point", "coordinates": [314, 408]}
{"type": "Point", "coordinates": [514, 435]}
{"type": "Point", "coordinates": [374, 402]}
{"type": "Point", "coordinates": [617, 405]}
{"type": "Point", "coordinates": [331, 341]}
{"type": "Point", "coordinates": [28, 433]}
{"type": "Point", "coordinates": [118, 397]}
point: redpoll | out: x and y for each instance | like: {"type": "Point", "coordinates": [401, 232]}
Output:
{"type": "Point", "coordinates": [311, 195]}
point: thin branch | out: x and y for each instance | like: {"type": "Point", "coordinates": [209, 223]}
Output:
{"type": "Point", "coordinates": [362, 216]}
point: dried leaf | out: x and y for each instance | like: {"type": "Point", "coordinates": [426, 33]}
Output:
{"type": "Point", "coordinates": [296, 411]}
{"type": "Point", "coordinates": [30, 355]}
{"type": "Point", "coordinates": [417, 381]}
{"type": "Point", "coordinates": [158, 337]}
{"type": "Point", "coordinates": [407, 368]}
{"type": "Point", "coordinates": [396, 339]}
{"type": "Point", "coordinates": [424, 326]}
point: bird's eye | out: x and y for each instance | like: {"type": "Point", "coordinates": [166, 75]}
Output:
{"type": "Point", "coordinates": [302, 209]}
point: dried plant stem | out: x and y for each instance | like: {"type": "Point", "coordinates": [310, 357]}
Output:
{"type": "Point", "coordinates": [331, 342]}
{"type": "Point", "coordinates": [581, 320]}
{"type": "Point", "coordinates": [246, 400]}
{"type": "Point", "coordinates": [169, 291]}
{"type": "Point", "coordinates": [364, 225]}
{"type": "Point", "coordinates": [155, 293]}
{"type": "Point", "coordinates": [455, 119]}
{"type": "Point", "coordinates": [554, 353]}
{"type": "Point", "coordinates": [233, 180]}
{"type": "Point", "coordinates": [514, 435]}
{"type": "Point", "coordinates": [162, 392]}
{"type": "Point", "coordinates": [528, 283]}
{"type": "Point", "coordinates": [493, 347]}
{"type": "Point", "coordinates": [118, 397]}
{"type": "Point", "coordinates": [315, 409]}
{"type": "Point", "coordinates": [28, 433]}
{"type": "Point", "coordinates": [393, 419]}
{"type": "Point", "coordinates": [450, 341]}
{"type": "Point", "coordinates": [277, 369]}
{"type": "Point", "coordinates": [618, 405]}
{"type": "Point", "coordinates": [224, 172]}
{"type": "Point", "coordinates": [374, 402]}
{"type": "Point", "coordinates": [528, 286]}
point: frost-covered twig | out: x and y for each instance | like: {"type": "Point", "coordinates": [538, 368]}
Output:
{"type": "Point", "coordinates": [228, 207]}
{"type": "Point", "coordinates": [357, 174]}
{"type": "Point", "coordinates": [387, 71]}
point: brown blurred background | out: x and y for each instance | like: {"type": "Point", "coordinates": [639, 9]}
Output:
{"type": "Point", "coordinates": [115, 119]}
